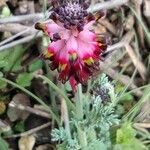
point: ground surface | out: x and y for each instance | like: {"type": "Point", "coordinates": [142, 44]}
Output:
{"type": "Point", "coordinates": [25, 122]}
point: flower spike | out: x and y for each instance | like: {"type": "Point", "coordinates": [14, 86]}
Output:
{"type": "Point", "coordinates": [75, 50]}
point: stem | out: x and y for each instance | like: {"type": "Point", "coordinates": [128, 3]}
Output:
{"type": "Point", "coordinates": [79, 114]}
{"type": "Point", "coordinates": [32, 95]}
{"type": "Point", "coordinates": [52, 93]}
{"type": "Point", "coordinates": [65, 115]}
{"type": "Point", "coordinates": [82, 138]}
{"type": "Point", "coordinates": [132, 113]}
{"type": "Point", "coordinates": [131, 91]}
{"type": "Point", "coordinates": [79, 103]}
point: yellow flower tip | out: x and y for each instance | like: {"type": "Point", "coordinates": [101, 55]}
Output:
{"type": "Point", "coordinates": [62, 67]}
{"type": "Point", "coordinates": [89, 61]}
{"type": "Point", "coordinates": [73, 56]}
{"type": "Point", "coordinates": [48, 54]}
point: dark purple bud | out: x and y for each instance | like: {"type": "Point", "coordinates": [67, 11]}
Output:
{"type": "Point", "coordinates": [53, 16]}
{"type": "Point", "coordinates": [56, 37]}
{"type": "Point", "coordinates": [67, 18]}
{"type": "Point", "coordinates": [56, 10]}
{"type": "Point", "coordinates": [73, 22]}
{"type": "Point", "coordinates": [85, 5]}
{"type": "Point", "coordinates": [80, 27]}
{"type": "Point", "coordinates": [80, 16]}
{"type": "Point", "coordinates": [85, 13]}
{"type": "Point", "coordinates": [67, 25]}
{"type": "Point", "coordinates": [61, 19]}
{"type": "Point", "coordinates": [81, 21]}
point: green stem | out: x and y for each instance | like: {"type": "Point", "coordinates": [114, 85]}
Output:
{"type": "Point", "coordinates": [32, 95]}
{"type": "Point", "coordinates": [65, 116]}
{"type": "Point", "coordinates": [69, 103]}
{"type": "Point", "coordinates": [132, 113]}
{"type": "Point", "coordinates": [82, 138]}
{"type": "Point", "coordinates": [131, 91]}
{"type": "Point", "coordinates": [129, 83]}
{"type": "Point", "coordinates": [79, 114]}
{"type": "Point", "coordinates": [52, 93]}
{"type": "Point", "coordinates": [79, 103]}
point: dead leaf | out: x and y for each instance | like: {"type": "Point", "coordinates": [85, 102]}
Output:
{"type": "Point", "coordinates": [26, 142]}
{"type": "Point", "coordinates": [2, 107]}
{"type": "Point", "coordinates": [45, 147]}
{"type": "Point", "coordinates": [14, 113]}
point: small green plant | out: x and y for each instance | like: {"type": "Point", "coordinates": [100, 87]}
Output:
{"type": "Point", "coordinates": [126, 139]}
{"type": "Point", "coordinates": [92, 132]}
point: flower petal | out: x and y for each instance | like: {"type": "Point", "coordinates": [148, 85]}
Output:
{"type": "Point", "coordinates": [56, 46]}
{"type": "Point", "coordinates": [65, 34]}
{"type": "Point", "coordinates": [52, 28]}
{"type": "Point", "coordinates": [87, 36]}
{"type": "Point", "coordinates": [71, 44]}
{"type": "Point", "coordinates": [85, 50]}
{"type": "Point", "coordinates": [64, 75]}
{"type": "Point", "coordinates": [73, 83]}
{"type": "Point", "coordinates": [89, 24]}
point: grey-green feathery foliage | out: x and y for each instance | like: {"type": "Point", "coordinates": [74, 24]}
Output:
{"type": "Point", "coordinates": [94, 128]}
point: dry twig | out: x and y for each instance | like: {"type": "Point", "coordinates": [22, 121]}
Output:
{"type": "Point", "coordinates": [142, 125]}
{"type": "Point", "coordinates": [136, 61]}
{"type": "Point", "coordinates": [20, 41]}
{"type": "Point", "coordinates": [30, 110]}
{"type": "Point", "coordinates": [29, 132]}
{"type": "Point", "coordinates": [138, 7]}
{"type": "Point", "coordinates": [22, 18]}
{"type": "Point", "coordinates": [107, 5]}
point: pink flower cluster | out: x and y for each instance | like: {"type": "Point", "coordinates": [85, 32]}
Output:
{"type": "Point", "coordinates": [75, 50]}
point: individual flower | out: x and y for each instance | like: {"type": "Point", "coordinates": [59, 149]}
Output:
{"type": "Point", "coordinates": [75, 50]}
